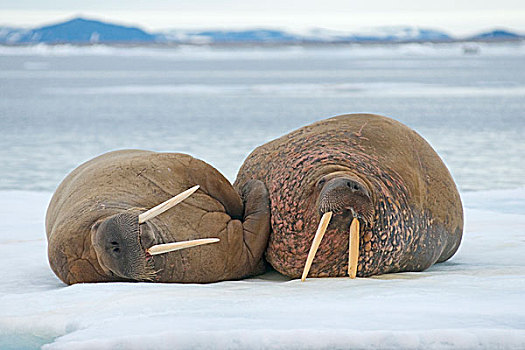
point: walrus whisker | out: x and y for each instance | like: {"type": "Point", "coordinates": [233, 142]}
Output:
{"type": "Point", "coordinates": [170, 203]}
{"type": "Point", "coordinates": [321, 229]}
{"type": "Point", "coordinates": [353, 249]}
{"type": "Point", "coordinates": [170, 247]}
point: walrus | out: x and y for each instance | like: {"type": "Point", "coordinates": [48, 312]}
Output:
{"type": "Point", "coordinates": [360, 175]}
{"type": "Point", "coordinates": [104, 222]}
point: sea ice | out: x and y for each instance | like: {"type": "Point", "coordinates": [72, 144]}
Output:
{"type": "Point", "coordinates": [475, 300]}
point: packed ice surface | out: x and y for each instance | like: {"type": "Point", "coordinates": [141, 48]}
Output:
{"type": "Point", "coordinates": [475, 300]}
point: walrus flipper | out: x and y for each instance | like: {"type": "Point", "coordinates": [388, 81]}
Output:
{"type": "Point", "coordinates": [216, 185]}
{"type": "Point", "coordinates": [254, 230]}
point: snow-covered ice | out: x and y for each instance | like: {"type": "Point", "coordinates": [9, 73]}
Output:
{"type": "Point", "coordinates": [205, 53]}
{"type": "Point", "coordinates": [475, 300]}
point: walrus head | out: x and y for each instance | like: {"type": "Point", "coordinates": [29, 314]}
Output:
{"type": "Point", "coordinates": [125, 243]}
{"type": "Point", "coordinates": [345, 195]}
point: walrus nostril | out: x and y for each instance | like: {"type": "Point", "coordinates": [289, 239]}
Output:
{"type": "Point", "coordinates": [114, 247]}
{"type": "Point", "coordinates": [352, 185]}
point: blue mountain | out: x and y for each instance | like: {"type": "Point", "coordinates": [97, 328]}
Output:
{"type": "Point", "coordinates": [13, 35]}
{"type": "Point", "coordinates": [382, 34]}
{"type": "Point", "coordinates": [231, 36]}
{"type": "Point", "coordinates": [387, 34]}
{"type": "Point", "coordinates": [254, 36]}
{"type": "Point", "coordinates": [498, 34]}
{"type": "Point", "coordinates": [85, 31]}
{"type": "Point", "coordinates": [80, 30]}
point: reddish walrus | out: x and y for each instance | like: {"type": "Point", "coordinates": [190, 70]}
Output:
{"type": "Point", "coordinates": [105, 223]}
{"type": "Point", "coordinates": [383, 195]}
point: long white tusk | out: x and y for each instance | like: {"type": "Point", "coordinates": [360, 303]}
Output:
{"type": "Point", "coordinates": [321, 229]}
{"type": "Point", "coordinates": [170, 203]}
{"type": "Point", "coordinates": [353, 250]}
{"type": "Point", "coordinates": [170, 247]}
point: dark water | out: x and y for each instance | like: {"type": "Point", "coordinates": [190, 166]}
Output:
{"type": "Point", "coordinates": [61, 106]}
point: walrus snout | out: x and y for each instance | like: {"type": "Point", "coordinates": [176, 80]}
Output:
{"type": "Point", "coordinates": [118, 241]}
{"type": "Point", "coordinates": [344, 193]}
{"type": "Point", "coordinates": [340, 193]}
{"type": "Point", "coordinates": [125, 243]}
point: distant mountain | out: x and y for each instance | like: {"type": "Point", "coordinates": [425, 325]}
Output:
{"type": "Point", "coordinates": [497, 34]}
{"type": "Point", "coordinates": [85, 31]}
{"type": "Point", "coordinates": [230, 36]}
{"type": "Point", "coordinates": [383, 34]}
{"type": "Point", "coordinates": [380, 34]}
{"type": "Point", "coordinates": [238, 36]}
{"type": "Point", "coordinates": [13, 35]}
{"type": "Point", "coordinates": [80, 30]}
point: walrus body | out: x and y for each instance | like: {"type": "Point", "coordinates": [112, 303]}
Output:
{"type": "Point", "coordinates": [396, 185]}
{"type": "Point", "coordinates": [123, 184]}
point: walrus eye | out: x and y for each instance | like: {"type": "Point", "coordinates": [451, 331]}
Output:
{"type": "Point", "coordinates": [321, 182]}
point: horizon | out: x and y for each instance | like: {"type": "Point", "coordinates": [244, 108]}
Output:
{"type": "Point", "coordinates": [456, 17]}
{"type": "Point", "coordinates": [255, 26]}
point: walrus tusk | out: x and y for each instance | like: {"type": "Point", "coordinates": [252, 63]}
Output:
{"type": "Point", "coordinates": [321, 229]}
{"type": "Point", "coordinates": [170, 203]}
{"type": "Point", "coordinates": [170, 247]}
{"type": "Point", "coordinates": [353, 250]}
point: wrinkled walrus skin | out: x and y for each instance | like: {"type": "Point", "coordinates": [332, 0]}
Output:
{"type": "Point", "coordinates": [416, 216]}
{"type": "Point", "coordinates": [133, 181]}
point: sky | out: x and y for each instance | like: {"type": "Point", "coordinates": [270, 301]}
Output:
{"type": "Point", "coordinates": [459, 17]}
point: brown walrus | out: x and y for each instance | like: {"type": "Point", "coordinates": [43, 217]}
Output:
{"type": "Point", "coordinates": [98, 228]}
{"type": "Point", "coordinates": [366, 169]}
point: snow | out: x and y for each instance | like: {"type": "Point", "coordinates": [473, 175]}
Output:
{"type": "Point", "coordinates": [254, 53]}
{"type": "Point", "coordinates": [476, 300]}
